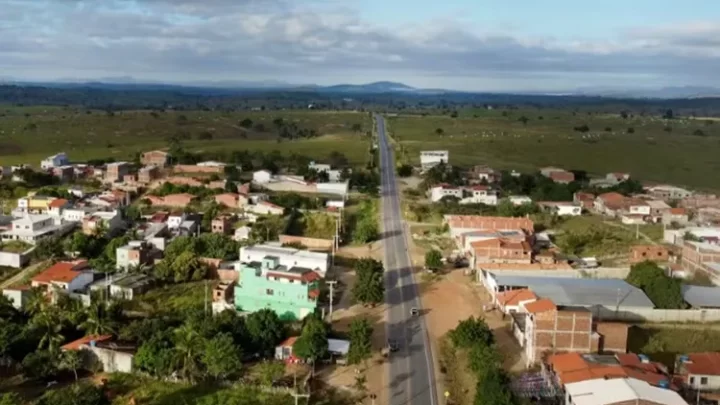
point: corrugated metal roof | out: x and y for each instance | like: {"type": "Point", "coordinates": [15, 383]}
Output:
{"type": "Point", "coordinates": [701, 297]}
{"type": "Point", "coordinates": [580, 291]}
{"type": "Point", "coordinates": [602, 392]}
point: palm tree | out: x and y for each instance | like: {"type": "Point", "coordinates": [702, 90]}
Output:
{"type": "Point", "coordinates": [71, 360]}
{"type": "Point", "coordinates": [48, 324]}
{"type": "Point", "coordinates": [188, 344]}
{"type": "Point", "coordinates": [37, 301]}
{"type": "Point", "coordinates": [101, 319]}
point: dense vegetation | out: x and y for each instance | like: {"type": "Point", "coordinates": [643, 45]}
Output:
{"type": "Point", "coordinates": [664, 291]}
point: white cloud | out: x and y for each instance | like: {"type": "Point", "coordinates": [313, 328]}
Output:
{"type": "Point", "coordinates": [187, 40]}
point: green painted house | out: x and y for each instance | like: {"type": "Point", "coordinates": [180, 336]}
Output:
{"type": "Point", "coordinates": [291, 292]}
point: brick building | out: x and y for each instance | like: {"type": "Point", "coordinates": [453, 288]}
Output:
{"type": "Point", "coordinates": [116, 171]}
{"type": "Point", "coordinates": [701, 256]}
{"type": "Point", "coordinates": [156, 157]}
{"type": "Point", "coordinates": [148, 173]}
{"type": "Point", "coordinates": [501, 250]}
{"type": "Point", "coordinates": [655, 253]}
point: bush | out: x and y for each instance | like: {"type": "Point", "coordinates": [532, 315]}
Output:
{"type": "Point", "coordinates": [664, 291]}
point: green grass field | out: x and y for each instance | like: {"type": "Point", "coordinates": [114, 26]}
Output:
{"type": "Point", "coordinates": [488, 137]}
{"type": "Point", "coordinates": [28, 134]}
{"type": "Point", "coordinates": [663, 344]}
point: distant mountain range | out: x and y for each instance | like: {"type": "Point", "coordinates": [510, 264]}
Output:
{"type": "Point", "coordinates": [228, 87]}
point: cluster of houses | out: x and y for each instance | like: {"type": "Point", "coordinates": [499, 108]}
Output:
{"type": "Point", "coordinates": [287, 182]}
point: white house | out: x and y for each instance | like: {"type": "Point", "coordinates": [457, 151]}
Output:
{"type": "Point", "coordinates": [30, 228]}
{"type": "Point", "coordinates": [57, 160]}
{"type": "Point", "coordinates": [66, 276]}
{"type": "Point", "coordinates": [430, 158]}
{"type": "Point", "coordinates": [242, 233]}
{"type": "Point", "coordinates": [77, 214]}
{"type": "Point", "coordinates": [319, 167]}
{"type": "Point", "coordinates": [316, 261]}
{"type": "Point", "coordinates": [176, 219]}
{"type": "Point", "coordinates": [610, 391]}
{"type": "Point", "coordinates": [441, 191]}
{"type": "Point", "coordinates": [520, 199]}
{"type": "Point", "coordinates": [18, 296]}
{"type": "Point", "coordinates": [562, 208]}
{"type": "Point", "coordinates": [340, 188]}
{"type": "Point", "coordinates": [479, 195]}
{"type": "Point", "coordinates": [262, 177]}
{"type": "Point", "coordinates": [638, 207]}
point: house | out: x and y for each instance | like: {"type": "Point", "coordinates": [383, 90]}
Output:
{"type": "Point", "coordinates": [289, 257]}
{"type": "Point", "coordinates": [699, 371]}
{"type": "Point", "coordinates": [221, 224]}
{"type": "Point", "coordinates": [34, 204]}
{"type": "Point", "coordinates": [147, 174]}
{"type": "Point", "coordinates": [292, 292]}
{"type": "Point", "coordinates": [569, 368]}
{"type": "Point", "coordinates": [262, 177]}
{"type": "Point", "coordinates": [176, 219]}
{"type": "Point", "coordinates": [658, 208]}
{"type": "Point", "coordinates": [130, 285]}
{"type": "Point", "coordinates": [230, 200]}
{"type": "Point", "coordinates": [561, 208]}
{"type": "Point", "coordinates": [242, 233]}
{"type": "Point", "coordinates": [633, 219]}
{"type": "Point", "coordinates": [116, 171]}
{"type": "Point", "coordinates": [431, 158]}
{"type": "Point", "coordinates": [111, 199]}
{"type": "Point", "coordinates": [479, 194]}
{"type": "Point", "coordinates": [56, 160]}
{"type": "Point", "coordinates": [134, 254]}
{"type": "Point", "coordinates": [441, 191]}
{"type": "Point", "coordinates": [18, 296]}
{"type": "Point", "coordinates": [32, 228]}
{"type": "Point", "coordinates": [675, 216]}
{"type": "Point", "coordinates": [113, 356]}
{"type": "Point", "coordinates": [465, 240]}
{"type": "Point", "coordinates": [669, 193]}
{"type": "Point", "coordinates": [618, 177]}
{"type": "Point", "coordinates": [619, 391]}
{"type": "Point", "coordinates": [64, 173]}
{"type": "Point", "coordinates": [509, 302]}
{"type": "Point", "coordinates": [609, 203]}
{"type": "Point", "coordinates": [641, 253]}
{"type": "Point", "coordinates": [66, 276]}
{"type": "Point", "coordinates": [111, 221]}
{"type": "Point", "coordinates": [56, 207]}
{"type": "Point", "coordinates": [483, 174]}
{"type": "Point", "coordinates": [265, 208]}
{"type": "Point", "coordinates": [558, 175]}
{"type": "Point", "coordinates": [500, 250]}
{"type": "Point", "coordinates": [460, 224]}
{"type": "Point", "coordinates": [520, 200]}
{"type": "Point", "coordinates": [155, 158]}
{"type": "Point", "coordinates": [586, 200]}
{"type": "Point", "coordinates": [701, 256]}
{"type": "Point", "coordinates": [209, 167]}
{"type": "Point", "coordinates": [284, 351]}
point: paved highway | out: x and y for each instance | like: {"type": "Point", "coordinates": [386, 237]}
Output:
{"type": "Point", "coordinates": [411, 375]}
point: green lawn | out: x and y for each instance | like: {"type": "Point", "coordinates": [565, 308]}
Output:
{"type": "Point", "coordinates": [650, 153]}
{"type": "Point", "coordinates": [175, 297]}
{"type": "Point", "coordinates": [27, 135]}
{"type": "Point", "coordinates": [600, 238]}
{"type": "Point", "coordinates": [15, 246]}
{"type": "Point", "coordinates": [663, 344]}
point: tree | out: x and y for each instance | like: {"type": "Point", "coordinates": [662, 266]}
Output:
{"type": "Point", "coordinates": [439, 131]}
{"type": "Point", "coordinates": [369, 287]}
{"type": "Point", "coordinates": [246, 123]}
{"type": "Point", "coordinates": [156, 356]}
{"type": "Point", "coordinates": [433, 260]}
{"type": "Point", "coordinates": [78, 394]}
{"type": "Point", "coordinates": [494, 388]}
{"type": "Point", "coordinates": [265, 330]}
{"type": "Point", "coordinates": [48, 248]}
{"type": "Point", "coordinates": [366, 230]}
{"type": "Point", "coordinates": [360, 341]}
{"type": "Point", "coordinates": [102, 318]}
{"type": "Point", "coordinates": [269, 372]}
{"type": "Point", "coordinates": [48, 325]}
{"type": "Point", "coordinates": [698, 132]}
{"type": "Point", "coordinates": [221, 357]}
{"type": "Point", "coordinates": [188, 346]}
{"type": "Point", "coordinates": [631, 130]}
{"type": "Point", "coordinates": [404, 170]}
{"type": "Point", "coordinates": [471, 331]}
{"type": "Point", "coordinates": [10, 399]}
{"type": "Point", "coordinates": [312, 344]}
{"type": "Point", "coordinates": [669, 114]}
{"type": "Point", "coordinates": [40, 364]}
{"type": "Point", "coordinates": [70, 360]}
{"type": "Point", "coordinates": [524, 120]}
{"type": "Point", "coordinates": [664, 291]}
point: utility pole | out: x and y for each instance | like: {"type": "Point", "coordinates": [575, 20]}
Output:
{"type": "Point", "coordinates": [332, 296]}
{"type": "Point", "coordinates": [205, 297]}
{"type": "Point", "coordinates": [297, 395]}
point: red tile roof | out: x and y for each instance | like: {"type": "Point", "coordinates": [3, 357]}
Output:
{"type": "Point", "coordinates": [678, 211]}
{"type": "Point", "coordinates": [562, 176]}
{"type": "Point", "coordinates": [543, 305]}
{"type": "Point", "coordinates": [612, 196]}
{"type": "Point", "coordinates": [489, 223]}
{"type": "Point", "coordinates": [62, 272]}
{"type": "Point", "coordinates": [513, 297]}
{"type": "Point", "coordinates": [159, 217]}
{"type": "Point", "coordinates": [58, 203]}
{"type": "Point", "coordinates": [707, 363]}
{"type": "Point", "coordinates": [573, 367]}
{"type": "Point", "coordinates": [85, 341]}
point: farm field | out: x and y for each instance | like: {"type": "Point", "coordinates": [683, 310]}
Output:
{"type": "Point", "coordinates": [678, 151]}
{"type": "Point", "coordinates": [28, 134]}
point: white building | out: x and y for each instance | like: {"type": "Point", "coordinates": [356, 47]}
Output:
{"type": "Point", "coordinates": [319, 167]}
{"type": "Point", "coordinates": [520, 199]}
{"type": "Point", "coordinates": [176, 219]}
{"type": "Point", "coordinates": [479, 195]}
{"type": "Point", "coordinates": [265, 208]}
{"type": "Point", "coordinates": [562, 208]}
{"type": "Point", "coordinates": [430, 158]}
{"type": "Point", "coordinates": [676, 236]}
{"type": "Point", "coordinates": [441, 191]}
{"type": "Point", "coordinates": [18, 296]}
{"type": "Point", "coordinates": [668, 193]}
{"type": "Point", "coordinates": [65, 276]}
{"type": "Point", "coordinates": [339, 204]}
{"type": "Point", "coordinates": [57, 160]}
{"type": "Point", "coordinates": [262, 177]}
{"type": "Point", "coordinates": [242, 233]}
{"type": "Point", "coordinates": [211, 163]}
{"type": "Point", "coordinates": [611, 391]}
{"type": "Point", "coordinates": [315, 261]}
{"type": "Point", "coordinates": [31, 228]}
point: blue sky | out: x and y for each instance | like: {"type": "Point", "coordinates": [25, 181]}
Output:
{"type": "Point", "coordinates": [549, 45]}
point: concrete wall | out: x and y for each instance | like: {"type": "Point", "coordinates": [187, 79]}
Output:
{"type": "Point", "coordinates": [14, 260]}
{"type": "Point", "coordinates": [198, 169]}
{"type": "Point", "coordinates": [310, 243]}
{"type": "Point", "coordinates": [113, 361]}
{"type": "Point", "coordinates": [600, 272]}
{"type": "Point", "coordinates": [656, 315]}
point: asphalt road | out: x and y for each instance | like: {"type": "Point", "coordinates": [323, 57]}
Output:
{"type": "Point", "coordinates": [411, 376]}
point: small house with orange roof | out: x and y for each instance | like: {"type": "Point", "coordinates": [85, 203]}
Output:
{"type": "Point", "coordinates": [501, 250]}
{"type": "Point", "coordinates": [510, 301]}
{"type": "Point", "coordinates": [114, 356]}
{"type": "Point", "coordinates": [699, 371]}
{"type": "Point", "coordinates": [66, 276]}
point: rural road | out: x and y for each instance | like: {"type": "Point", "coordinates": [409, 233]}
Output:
{"type": "Point", "coordinates": [411, 373]}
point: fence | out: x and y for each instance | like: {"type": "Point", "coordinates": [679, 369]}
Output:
{"type": "Point", "coordinates": [656, 315]}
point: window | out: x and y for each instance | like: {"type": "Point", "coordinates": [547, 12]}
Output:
{"type": "Point", "coordinates": [692, 380]}
{"type": "Point", "coordinates": [270, 291]}
{"type": "Point", "coordinates": [703, 381]}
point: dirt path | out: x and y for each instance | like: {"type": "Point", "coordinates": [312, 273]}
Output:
{"type": "Point", "coordinates": [16, 279]}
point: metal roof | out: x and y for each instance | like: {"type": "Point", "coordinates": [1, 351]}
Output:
{"type": "Point", "coordinates": [620, 390]}
{"type": "Point", "coordinates": [608, 292]}
{"type": "Point", "coordinates": [701, 297]}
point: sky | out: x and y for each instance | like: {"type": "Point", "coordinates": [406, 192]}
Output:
{"type": "Point", "coordinates": [479, 45]}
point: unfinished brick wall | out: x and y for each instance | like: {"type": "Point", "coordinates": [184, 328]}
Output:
{"type": "Point", "coordinates": [562, 331]}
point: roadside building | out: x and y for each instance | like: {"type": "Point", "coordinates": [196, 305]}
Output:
{"type": "Point", "coordinates": [289, 257]}
{"type": "Point", "coordinates": [432, 158]}
{"type": "Point", "coordinates": [337, 348]}
{"type": "Point", "coordinates": [157, 158]}
{"type": "Point", "coordinates": [500, 250]}
{"type": "Point", "coordinates": [440, 191]}
{"type": "Point", "coordinates": [292, 292]}
{"type": "Point", "coordinates": [676, 217]}
{"type": "Point", "coordinates": [655, 253]}
{"type": "Point", "coordinates": [622, 391]}
{"type": "Point", "coordinates": [460, 224]}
